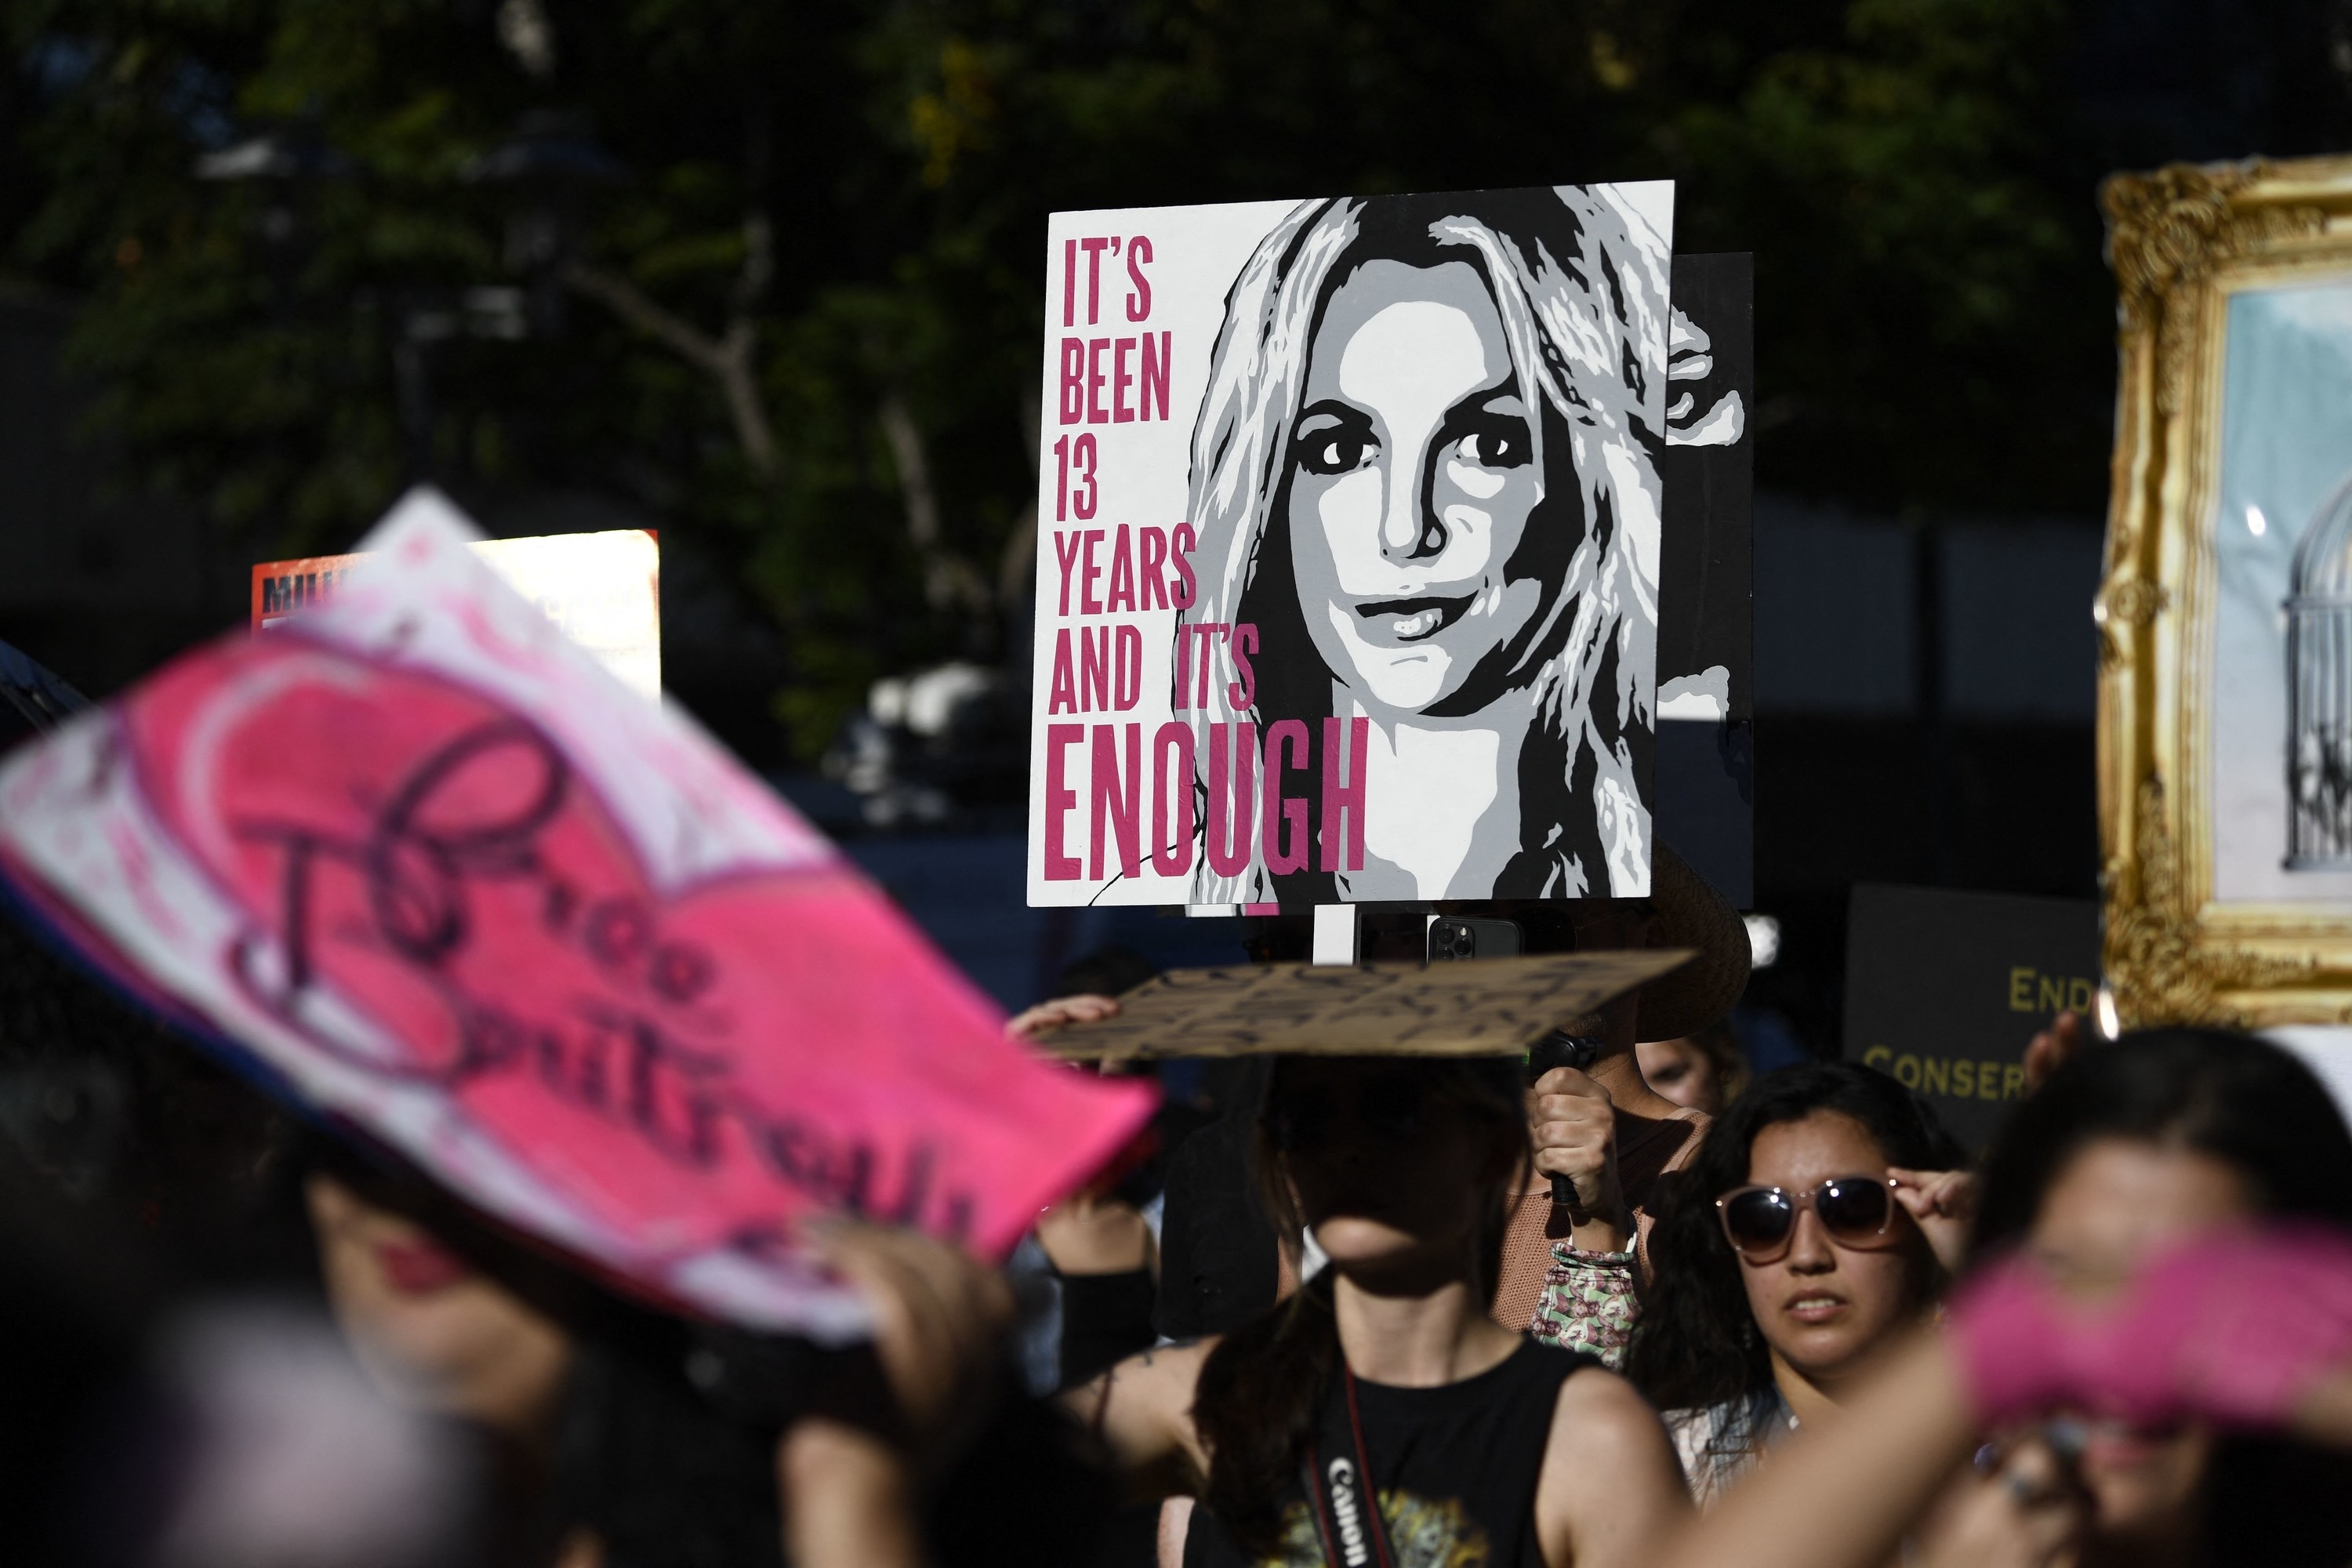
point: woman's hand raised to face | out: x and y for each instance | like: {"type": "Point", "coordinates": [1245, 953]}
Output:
{"type": "Point", "coordinates": [1572, 1127]}
{"type": "Point", "coordinates": [1944, 1206]}
{"type": "Point", "coordinates": [2051, 1048]}
{"type": "Point", "coordinates": [1060, 1013]}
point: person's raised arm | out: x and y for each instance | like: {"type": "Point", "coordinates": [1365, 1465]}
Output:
{"type": "Point", "coordinates": [1141, 1410]}
{"type": "Point", "coordinates": [846, 1491]}
{"type": "Point", "coordinates": [2248, 1330]}
{"type": "Point", "coordinates": [1842, 1495]}
{"type": "Point", "coordinates": [1611, 1492]}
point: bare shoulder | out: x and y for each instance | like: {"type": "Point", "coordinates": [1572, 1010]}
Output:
{"type": "Point", "coordinates": [1143, 1407]}
{"type": "Point", "coordinates": [1599, 1409]}
{"type": "Point", "coordinates": [1177, 1361]}
{"type": "Point", "coordinates": [1610, 1489]}
{"type": "Point", "coordinates": [1162, 1376]}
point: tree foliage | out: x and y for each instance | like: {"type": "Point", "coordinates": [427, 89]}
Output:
{"type": "Point", "coordinates": [802, 331]}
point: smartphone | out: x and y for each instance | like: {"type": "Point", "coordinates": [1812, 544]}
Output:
{"type": "Point", "coordinates": [1450, 939]}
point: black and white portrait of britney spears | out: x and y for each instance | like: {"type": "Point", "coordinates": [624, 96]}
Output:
{"type": "Point", "coordinates": [1425, 471]}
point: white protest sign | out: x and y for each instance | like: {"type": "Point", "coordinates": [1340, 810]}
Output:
{"type": "Point", "coordinates": [1347, 549]}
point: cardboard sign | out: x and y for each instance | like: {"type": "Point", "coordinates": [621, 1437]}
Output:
{"type": "Point", "coordinates": [544, 938]}
{"type": "Point", "coordinates": [1347, 560]}
{"type": "Point", "coordinates": [1943, 990]}
{"type": "Point", "coordinates": [603, 589]}
{"type": "Point", "coordinates": [1494, 1007]}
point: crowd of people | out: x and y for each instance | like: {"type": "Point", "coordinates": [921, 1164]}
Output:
{"type": "Point", "coordinates": [1401, 1311]}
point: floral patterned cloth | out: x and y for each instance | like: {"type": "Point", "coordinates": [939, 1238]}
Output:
{"type": "Point", "coordinates": [1588, 1304]}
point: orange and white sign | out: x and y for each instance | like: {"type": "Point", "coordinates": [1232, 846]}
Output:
{"type": "Point", "coordinates": [603, 590]}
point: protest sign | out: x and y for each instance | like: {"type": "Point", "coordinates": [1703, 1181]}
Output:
{"type": "Point", "coordinates": [1349, 549]}
{"type": "Point", "coordinates": [1492, 1007]}
{"type": "Point", "coordinates": [603, 589]}
{"type": "Point", "coordinates": [1706, 802]}
{"type": "Point", "coordinates": [1943, 991]}
{"type": "Point", "coordinates": [542, 937]}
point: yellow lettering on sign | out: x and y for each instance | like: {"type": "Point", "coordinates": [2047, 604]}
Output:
{"type": "Point", "coordinates": [2030, 991]}
{"type": "Point", "coordinates": [1959, 1077]}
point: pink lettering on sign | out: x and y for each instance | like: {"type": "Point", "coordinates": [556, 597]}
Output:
{"type": "Point", "coordinates": [1139, 297]}
{"type": "Point", "coordinates": [1108, 380]}
{"type": "Point", "coordinates": [1098, 374]}
{"type": "Point", "coordinates": [1171, 785]}
{"type": "Point", "coordinates": [449, 881]}
{"type": "Point", "coordinates": [1095, 248]}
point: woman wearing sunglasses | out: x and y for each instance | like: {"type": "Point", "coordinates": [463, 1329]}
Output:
{"type": "Point", "coordinates": [1819, 1218]}
{"type": "Point", "coordinates": [1377, 1416]}
{"type": "Point", "coordinates": [2160, 1302]}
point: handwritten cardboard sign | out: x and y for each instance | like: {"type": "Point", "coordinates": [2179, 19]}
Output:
{"type": "Point", "coordinates": [1489, 1008]}
{"type": "Point", "coordinates": [433, 868]}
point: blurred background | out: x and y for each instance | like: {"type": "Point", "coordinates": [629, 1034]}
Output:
{"type": "Point", "coordinates": [768, 277]}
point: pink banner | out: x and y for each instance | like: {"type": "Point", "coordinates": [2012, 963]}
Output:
{"type": "Point", "coordinates": [449, 879]}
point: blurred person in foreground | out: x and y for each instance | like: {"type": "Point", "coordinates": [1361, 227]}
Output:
{"type": "Point", "coordinates": [631, 1439]}
{"type": "Point", "coordinates": [2157, 1337]}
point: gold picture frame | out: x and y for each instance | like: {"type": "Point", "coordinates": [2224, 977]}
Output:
{"type": "Point", "coordinates": [2187, 243]}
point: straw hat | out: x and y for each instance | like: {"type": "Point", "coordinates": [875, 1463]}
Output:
{"type": "Point", "coordinates": [1686, 911]}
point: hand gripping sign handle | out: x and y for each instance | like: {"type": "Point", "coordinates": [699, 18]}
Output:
{"type": "Point", "coordinates": [1561, 1049]}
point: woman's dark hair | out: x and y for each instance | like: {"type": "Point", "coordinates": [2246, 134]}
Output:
{"type": "Point", "coordinates": [2258, 1110]}
{"type": "Point", "coordinates": [1697, 1344]}
{"type": "Point", "coordinates": [2239, 1100]}
{"type": "Point", "coordinates": [1261, 1391]}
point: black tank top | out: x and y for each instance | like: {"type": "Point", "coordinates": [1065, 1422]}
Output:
{"type": "Point", "coordinates": [1455, 1469]}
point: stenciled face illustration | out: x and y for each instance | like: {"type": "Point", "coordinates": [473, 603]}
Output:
{"type": "Point", "coordinates": [1412, 478]}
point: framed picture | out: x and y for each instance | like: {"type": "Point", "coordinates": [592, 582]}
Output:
{"type": "Point", "coordinates": [2225, 616]}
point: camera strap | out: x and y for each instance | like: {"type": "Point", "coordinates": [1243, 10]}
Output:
{"type": "Point", "coordinates": [1345, 1500]}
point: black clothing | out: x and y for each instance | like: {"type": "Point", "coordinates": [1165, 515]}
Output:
{"type": "Point", "coordinates": [1217, 1260]}
{"type": "Point", "coordinates": [1455, 1469]}
{"type": "Point", "coordinates": [1105, 1318]}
